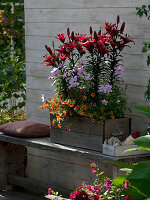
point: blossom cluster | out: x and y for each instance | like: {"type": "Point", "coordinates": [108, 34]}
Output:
{"type": "Point", "coordinates": [86, 72]}
{"type": "Point", "coordinates": [103, 189]}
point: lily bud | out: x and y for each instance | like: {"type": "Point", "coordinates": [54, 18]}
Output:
{"type": "Point", "coordinates": [118, 19]}
{"type": "Point", "coordinates": [72, 35]}
{"type": "Point", "coordinates": [99, 32]}
{"type": "Point", "coordinates": [48, 49]}
{"type": "Point", "coordinates": [95, 35]}
{"type": "Point", "coordinates": [68, 31]}
{"type": "Point", "coordinates": [122, 27]}
{"type": "Point", "coordinates": [91, 31]}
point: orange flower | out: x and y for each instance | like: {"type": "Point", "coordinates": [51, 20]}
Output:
{"type": "Point", "coordinates": [50, 109]}
{"type": "Point", "coordinates": [113, 117]}
{"type": "Point", "coordinates": [76, 108]}
{"type": "Point", "coordinates": [41, 107]}
{"type": "Point", "coordinates": [58, 115]}
{"type": "Point", "coordinates": [71, 105]}
{"type": "Point", "coordinates": [70, 113]}
{"type": "Point", "coordinates": [91, 115]}
{"type": "Point", "coordinates": [50, 99]}
{"type": "Point", "coordinates": [100, 122]}
{"type": "Point", "coordinates": [57, 109]}
{"type": "Point", "coordinates": [111, 112]}
{"type": "Point", "coordinates": [92, 120]}
{"type": "Point", "coordinates": [102, 108]}
{"type": "Point", "coordinates": [46, 105]}
{"type": "Point", "coordinates": [53, 104]}
{"type": "Point", "coordinates": [84, 98]}
{"type": "Point", "coordinates": [53, 123]}
{"type": "Point", "coordinates": [92, 94]}
{"type": "Point", "coordinates": [88, 115]}
{"type": "Point", "coordinates": [94, 104]}
{"type": "Point", "coordinates": [59, 125]}
{"type": "Point", "coordinates": [68, 128]}
{"type": "Point", "coordinates": [84, 107]}
{"type": "Point", "coordinates": [64, 114]}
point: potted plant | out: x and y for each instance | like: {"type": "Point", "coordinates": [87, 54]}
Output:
{"type": "Point", "coordinates": [89, 91]}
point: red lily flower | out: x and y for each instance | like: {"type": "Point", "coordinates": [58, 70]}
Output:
{"type": "Point", "coordinates": [61, 37]}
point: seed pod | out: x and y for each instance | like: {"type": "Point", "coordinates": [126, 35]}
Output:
{"type": "Point", "coordinates": [122, 27]}
{"type": "Point", "coordinates": [91, 31]}
{"type": "Point", "coordinates": [68, 31]}
{"type": "Point", "coordinates": [95, 35]}
{"type": "Point", "coordinates": [118, 19]}
{"type": "Point", "coordinates": [72, 35]}
{"type": "Point", "coordinates": [48, 49]}
{"type": "Point", "coordinates": [99, 32]}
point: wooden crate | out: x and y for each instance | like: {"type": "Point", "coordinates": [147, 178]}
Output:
{"type": "Point", "coordinates": [117, 151]}
{"type": "Point", "coordinates": [88, 135]}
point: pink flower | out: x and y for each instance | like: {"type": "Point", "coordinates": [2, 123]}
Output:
{"type": "Point", "coordinates": [127, 197]}
{"type": "Point", "coordinates": [49, 191]}
{"type": "Point", "coordinates": [127, 184]}
{"type": "Point", "coordinates": [93, 167]}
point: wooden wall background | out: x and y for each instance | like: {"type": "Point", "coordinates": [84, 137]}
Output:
{"type": "Point", "coordinates": [46, 18]}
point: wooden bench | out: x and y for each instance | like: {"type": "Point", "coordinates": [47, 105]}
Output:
{"type": "Point", "coordinates": [13, 171]}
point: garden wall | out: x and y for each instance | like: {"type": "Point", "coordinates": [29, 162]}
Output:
{"type": "Point", "coordinates": [44, 19]}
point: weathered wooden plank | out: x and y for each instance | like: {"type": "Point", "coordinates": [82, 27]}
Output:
{"type": "Point", "coordinates": [81, 15]}
{"type": "Point", "coordinates": [38, 42]}
{"type": "Point", "coordinates": [82, 3]}
{"type": "Point", "coordinates": [52, 29]}
{"type": "Point", "coordinates": [62, 168]}
{"type": "Point", "coordinates": [34, 95]}
{"type": "Point", "coordinates": [131, 77]}
{"type": "Point", "coordinates": [130, 60]}
{"type": "Point", "coordinates": [27, 183]}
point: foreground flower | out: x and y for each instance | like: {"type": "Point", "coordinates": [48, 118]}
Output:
{"type": "Point", "coordinates": [93, 167]}
{"type": "Point", "coordinates": [127, 184]}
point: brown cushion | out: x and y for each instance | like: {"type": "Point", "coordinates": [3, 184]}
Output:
{"type": "Point", "coordinates": [27, 128]}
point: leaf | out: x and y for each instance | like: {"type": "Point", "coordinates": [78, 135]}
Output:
{"type": "Point", "coordinates": [119, 180]}
{"type": "Point", "coordinates": [143, 141]}
{"type": "Point", "coordinates": [145, 110]}
{"type": "Point", "coordinates": [140, 177]}
{"type": "Point", "coordinates": [127, 170]}
{"type": "Point", "coordinates": [122, 164]}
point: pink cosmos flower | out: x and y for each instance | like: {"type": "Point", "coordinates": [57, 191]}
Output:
{"type": "Point", "coordinates": [119, 70]}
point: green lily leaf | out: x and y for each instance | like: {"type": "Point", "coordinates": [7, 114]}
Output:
{"type": "Point", "coordinates": [145, 110]}
{"type": "Point", "coordinates": [140, 177]}
{"type": "Point", "coordinates": [143, 142]}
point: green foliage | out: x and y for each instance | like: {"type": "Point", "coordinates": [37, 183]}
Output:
{"type": "Point", "coordinates": [12, 60]}
{"type": "Point", "coordinates": [144, 10]}
{"type": "Point", "coordinates": [141, 11]}
{"type": "Point", "coordinates": [7, 115]}
{"type": "Point", "coordinates": [145, 110]}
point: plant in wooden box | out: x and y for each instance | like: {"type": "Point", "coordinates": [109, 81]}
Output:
{"type": "Point", "coordinates": [86, 72]}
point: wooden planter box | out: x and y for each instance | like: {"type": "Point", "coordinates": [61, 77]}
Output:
{"type": "Point", "coordinates": [88, 135]}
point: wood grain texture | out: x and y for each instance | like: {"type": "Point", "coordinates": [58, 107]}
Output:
{"type": "Point", "coordinates": [82, 3]}
{"type": "Point", "coordinates": [81, 15]}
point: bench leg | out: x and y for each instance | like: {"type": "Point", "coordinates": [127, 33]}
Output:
{"type": "Point", "coordinates": [11, 162]}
